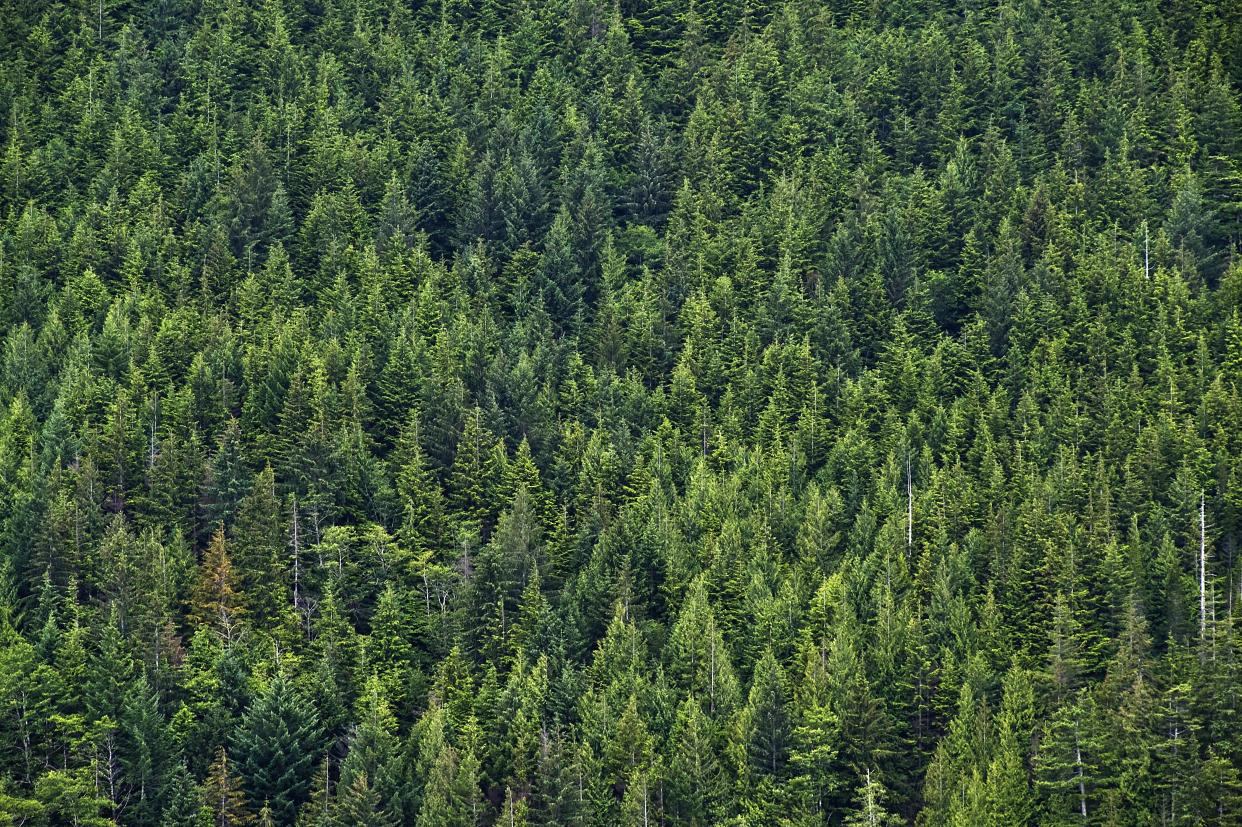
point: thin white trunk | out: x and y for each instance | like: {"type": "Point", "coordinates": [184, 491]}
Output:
{"type": "Point", "coordinates": [1082, 787]}
{"type": "Point", "coordinates": [1202, 571]}
{"type": "Point", "coordinates": [871, 815]}
{"type": "Point", "coordinates": [155, 421]}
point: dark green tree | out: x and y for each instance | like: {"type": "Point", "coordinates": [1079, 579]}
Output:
{"type": "Point", "coordinates": [277, 743]}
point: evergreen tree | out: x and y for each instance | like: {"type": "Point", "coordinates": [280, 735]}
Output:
{"type": "Point", "coordinates": [227, 479]}
{"type": "Point", "coordinates": [869, 804]}
{"type": "Point", "coordinates": [278, 741]}
{"type": "Point", "coordinates": [418, 491]}
{"type": "Point", "coordinates": [601, 415]}
{"type": "Point", "coordinates": [697, 784]}
{"type": "Point", "coordinates": [258, 543]}
{"type": "Point", "coordinates": [222, 794]}
{"type": "Point", "coordinates": [217, 600]}
{"type": "Point", "coordinates": [360, 804]}
{"type": "Point", "coordinates": [476, 475]}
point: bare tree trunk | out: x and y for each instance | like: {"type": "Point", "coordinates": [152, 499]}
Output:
{"type": "Point", "coordinates": [1202, 571]}
{"type": "Point", "coordinates": [871, 815]}
{"type": "Point", "coordinates": [1146, 259]}
{"type": "Point", "coordinates": [1082, 787]}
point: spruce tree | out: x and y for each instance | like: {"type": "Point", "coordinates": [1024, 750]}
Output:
{"type": "Point", "coordinates": [258, 546]}
{"type": "Point", "coordinates": [277, 742]}
{"type": "Point", "coordinates": [476, 474]}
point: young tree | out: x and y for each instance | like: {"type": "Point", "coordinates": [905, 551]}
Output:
{"type": "Point", "coordinates": [222, 794]}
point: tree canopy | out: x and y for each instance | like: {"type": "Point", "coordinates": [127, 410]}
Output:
{"type": "Point", "coordinates": [683, 412]}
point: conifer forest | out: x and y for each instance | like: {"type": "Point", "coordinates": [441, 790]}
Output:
{"type": "Point", "coordinates": [457, 413]}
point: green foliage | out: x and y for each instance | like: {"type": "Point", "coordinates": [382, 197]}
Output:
{"type": "Point", "coordinates": [277, 743]}
{"type": "Point", "coordinates": [583, 413]}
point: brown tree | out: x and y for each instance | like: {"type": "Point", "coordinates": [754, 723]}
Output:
{"type": "Point", "coordinates": [222, 794]}
{"type": "Point", "coordinates": [216, 600]}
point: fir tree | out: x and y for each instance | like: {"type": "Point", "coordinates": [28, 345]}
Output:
{"type": "Point", "coordinates": [278, 741]}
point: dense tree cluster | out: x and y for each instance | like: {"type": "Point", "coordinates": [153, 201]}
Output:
{"type": "Point", "coordinates": [585, 412]}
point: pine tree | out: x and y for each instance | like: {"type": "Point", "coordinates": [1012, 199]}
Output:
{"type": "Point", "coordinates": [227, 479]}
{"type": "Point", "coordinates": [813, 753]}
{"type": "Point", "coordinates": [184, 799]}
{"type": "Point", "coordinates": [1065, 765]}
{"type": "Point", "coordinates": [503, 570]}
{"type": "Point", "coordinates": [697, 784]}
{"type": "Point", "coordinates": [217, 601]}
{"type": "Point", "coordinates": [476, 474]}
{"type": "Point", "coordinates": [764, 721]}
{"type": "Point", "coordinates": [418, 491]}
{"type": "Point", "coordinates": [223, 796]}
{"type": "Point", "coordinates": [442, 802]}
{"type": "Point", "coordinates": [521, 471]}
{"type": "Point", "coordinates": [559, 278]}
{"type": "Point", "coordinates": [278, 741]}
{"type": "Point", "coordinates": [390, 650]}
{"type": "Point", "coordinates": [359, 803]}
{"type": "Point", "coordinates": [1009, 796]}
{"type": "Point", "coordinates": [513, 812]}
{"type": "Point", "coordinates": [698, 659]}
{"type": "Point", "coordinates": [145, 750]}
{"type": "Point", "coordinates": [258, 543]}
